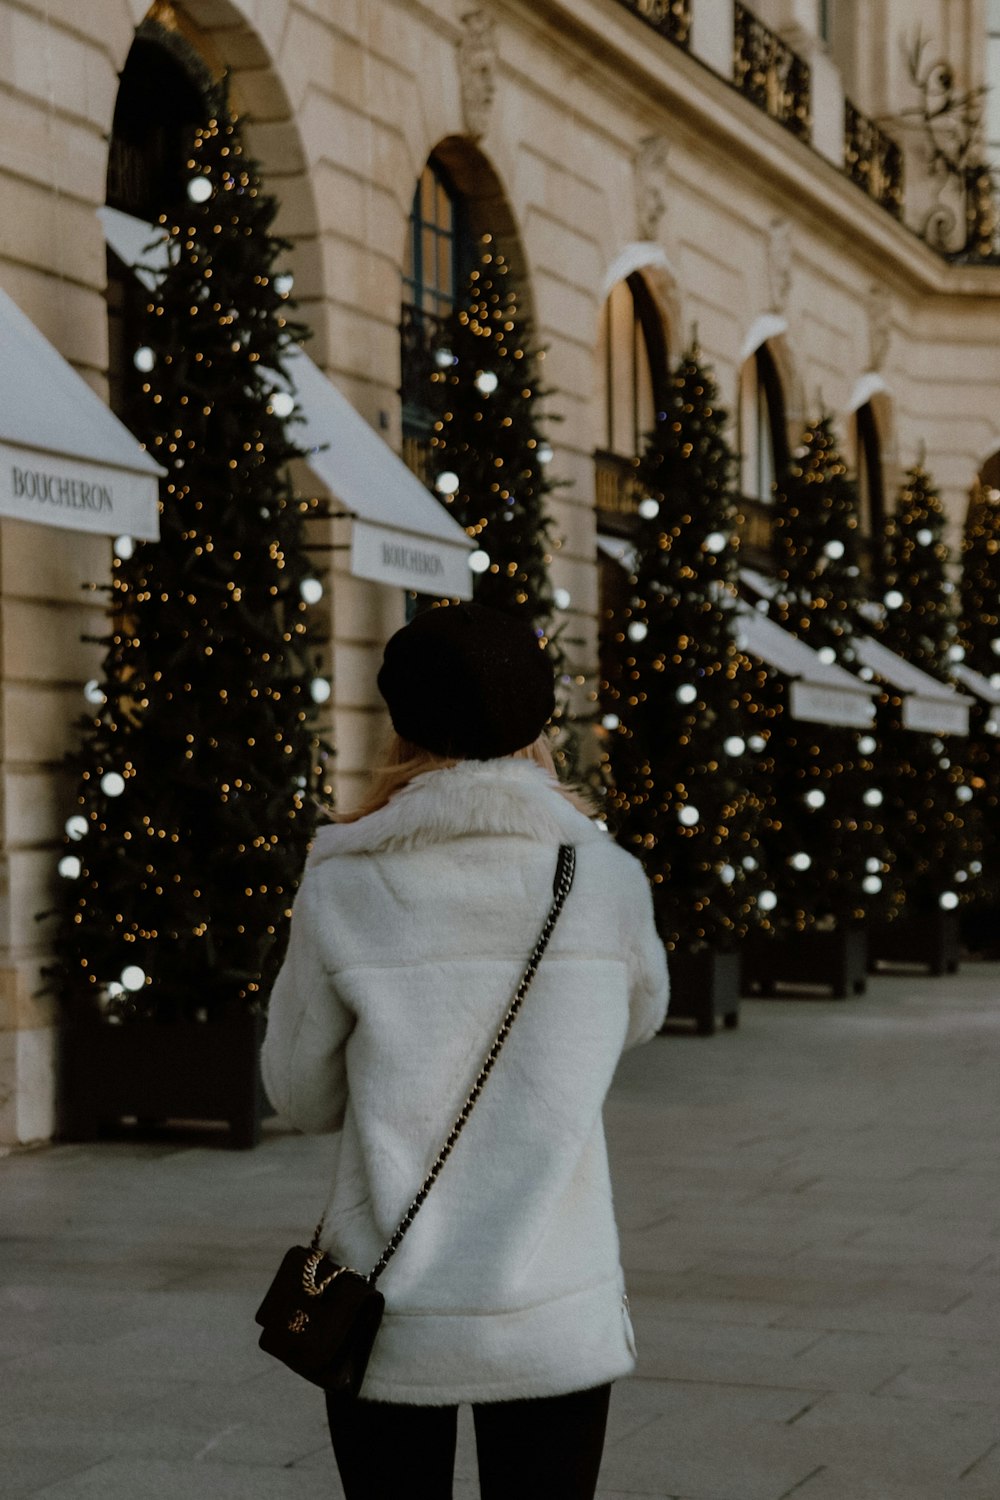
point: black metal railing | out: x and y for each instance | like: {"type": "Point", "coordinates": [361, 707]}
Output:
{"type": "Point", "coordinates": [873, 160]}
{"type": "Point", "coordinates": [616, 486]}
{"type": "Point", "coordinates": [770, 74]}
{"type": "Point", "coordinates": [671, 18]}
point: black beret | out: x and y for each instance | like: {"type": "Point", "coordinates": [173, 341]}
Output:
{"type": "Point", "coordinates": [467, 682]}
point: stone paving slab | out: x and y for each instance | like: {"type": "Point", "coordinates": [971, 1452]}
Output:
{"type": "Point", "coordinates": [811, 1229]}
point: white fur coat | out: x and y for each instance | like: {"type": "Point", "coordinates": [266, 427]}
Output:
{"type": "Point", "coordinates": [410, 931]}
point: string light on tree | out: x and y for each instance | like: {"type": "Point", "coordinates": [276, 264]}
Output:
{"type": "Point", "coordinates": [200, 748]}
{"type": "Point", "coordinates": [681, 797]}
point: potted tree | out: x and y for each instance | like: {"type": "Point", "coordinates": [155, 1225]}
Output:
{"type": "Point", "coordinates": [681, 789]}
{"type": "Point", "coordinates": [194, 809]}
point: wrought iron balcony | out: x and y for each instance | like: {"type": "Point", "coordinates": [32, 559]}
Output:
{"type": "Point", "coordinates": [873, 160]}
{"type": "Point", "coordinates": [770, 74]}
{"type": "Point", "coordinates": [616, 489]}
{"type": "Point", "coordinates": [671, 18]}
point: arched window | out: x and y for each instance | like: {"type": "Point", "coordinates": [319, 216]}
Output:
{"type": "Point", "coordinates": [160, 98]}
{"type": "Point", "coordinates": [437, 259]}
{"type": "Point", "coordinates": [871, 493]}
{"type": "Point", "coordinates": [632, 365]}
{"type": "Point", "coordinates": [763, 451]}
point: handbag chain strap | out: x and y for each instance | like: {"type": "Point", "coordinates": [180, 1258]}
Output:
{"type": "Point", "coordinates": [561, 888]}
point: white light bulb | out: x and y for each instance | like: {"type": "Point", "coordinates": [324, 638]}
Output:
{"type": "Point", "coordinates": [757, 743]}
{"type": "Point", "coordinates": [995, 679]}
{"type": "Point", "coordinates": [112, 784]}
{"type": "Point", "coordinates": [961, 875]}
{"type": "Point", "coordinates": [320, 690]}
{"type": "Point", "coordinates": [133, 978]}
{"type": "Point", "coordinates": [486, 382]}
{"type": "Point", "coordinates": [544, 453]}
{"type": "Point", "coordinates": [199, 189]}
{"type": "Point", "coordinates": [447, 483]}
{"type": "Point", "coordinates": [115, 989]}
{"type": "Point", "coordinates": [94, 693]}
{"type": "Point", "coordinates": [144, 359]}
{"type": "Point", "coordinates": [282, 403]}
{"type": "Point", "coordinates": [992, 726]}
{"type": "Point", "coordinates": [834, 549]}
{"type": "Point", "coordinates": [947, 587]}
{"type": "Point", "coordinates": [311, 590]}
{"type": "Point", "coordinates": [716, 541]}
{"type": "Point", "coordinates": [70, 867]}
{"type": "Point", "coordinates": [815, 798]}
{"type": "Point", "coordinates": [873, 866]}
{"type": "Point", "coordinates": [873, 797]}
{"type": "Point", "coordinates": [866, 674]}
{"type": "Point", "coordinates": [444, 359]}
{"type": "Point", "coordinates": [956, 653]}
{"type": "Point", "coordinates": [562, 598]}
{"type": "Point", "coordinates": [124, 547]}
{"type": "Point", "coordinates": [734, 745]}
{"type": "Point", "coordinates": [77, 827]}
{"type": "Point", "coordinates": [800, 861]}
{"type": "Point", "coordinates": [479, 561]}
{"type": "Point", "coordinates": [995, 645]}
{"type": "Point", "coordinates": [610, 721]}
{"type": "Point", "coordinates": [827, 654]}
{"type": "Point", "coordinates": [727, 874]}
{"type": "Point", "coordinates": [948, 900]}
{"type": "Point", "coordinates": [688, 815]}
{"type": "Point", "coordinates": [283, 284]}
{"type": "Point", "coordinates": [871, 885]}
{"type": "Point", "coordinates": [893, 599]}
{"type": "Point", "coordinates": [925, 536]}
{"type": "Point", "coordinates": [767, 901]}
{"type": "Point", "coordinates": [975, 867]}
{"type": "Point", "coordinates": [649, 508]}
{"type": "Point", "coordinates": [867, 744]}
{"type": "Point", "coordinates": [749, 863]}
{"type": "Point", "coordinates": [638, 631]}
{"type": "Point", "coordinates": [686, 693]}
{"type": "Point", "coordinates": [964, 793]}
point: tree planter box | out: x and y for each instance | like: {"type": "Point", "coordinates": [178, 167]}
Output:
{"type": "Point", "coordinates": [838, 959]}
{"type": "Point", "coordinates": [704, 988]}
{"type": "Point", "coordinates": [154, 1071]}
{"type": "Point", "coordinates": [929, 938]}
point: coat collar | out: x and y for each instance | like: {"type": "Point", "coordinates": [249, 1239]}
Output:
{"type": "Point", "coordinates": [491, 796]}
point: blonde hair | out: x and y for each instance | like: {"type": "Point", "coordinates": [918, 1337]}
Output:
{"type": "Point", "coordinates": [403, 761]}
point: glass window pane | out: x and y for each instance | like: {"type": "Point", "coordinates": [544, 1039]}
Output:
{"type": "Point", "coordinates": [749, 478]}
{"type": "Point", "coordinates": [765, 446]}
{"type": "Point", "coordinates": [428, 186]}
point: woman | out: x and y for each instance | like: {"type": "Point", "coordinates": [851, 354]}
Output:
{"type": "Point", "coordinates": [411, 929]}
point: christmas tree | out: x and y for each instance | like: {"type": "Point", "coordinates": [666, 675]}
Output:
{"type": "Point", "coordinates": [489, 458]}
{"type": "Point", "coordinates": [930, 800]}
{"type": "Point", "coordinates": [830, 859]}
{"type": "Point", "coordinates": [979, 635]}
{"type": "Point", "coordinates": [680, 693]}
{"type": "Point", "coordinates": [194, 810]}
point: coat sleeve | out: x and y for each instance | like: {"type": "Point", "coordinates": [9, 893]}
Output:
{"type": "Point", "coordinates": [649, 984]}
{"type": "Point", "coordinates": [302, 1060]}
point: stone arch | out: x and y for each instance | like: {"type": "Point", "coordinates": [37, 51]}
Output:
{"type": "Point", "coordinates": [218, 35]}
{"type": "Point", "coordinates": [650, 261]}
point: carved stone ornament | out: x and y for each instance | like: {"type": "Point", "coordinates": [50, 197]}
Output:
{"type": "Point", "coordinates": [477, 71]}
{"type": "Point", "coordinates": [651, 184]}
{"type": "Point", "coordinates": [779, 264]}
{"type": "Point", "coordinates": [879, 325]}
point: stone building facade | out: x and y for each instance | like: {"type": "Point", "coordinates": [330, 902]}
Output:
{"type": "Point", "coordinates": [652, 167]}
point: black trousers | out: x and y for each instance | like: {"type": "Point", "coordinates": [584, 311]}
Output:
{"type": "Point", "coordinates": [544, 1449]}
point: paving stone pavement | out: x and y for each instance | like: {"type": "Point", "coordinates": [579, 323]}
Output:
{"type": "Point", "coordinates": [810, 1208]}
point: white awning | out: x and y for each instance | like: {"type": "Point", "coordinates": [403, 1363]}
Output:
{"type": "Point", "coordinates": [819, 691]}
{"type": "Point", "coordinates": [65, 459]}
{"type": "Point", "coordinates": [928, 705]}
{"type": "Point", "coordinates": [982, 687]}
{"type": "Point", "coordinates": [400, 534]}
{"type": "Point", "coordinates": [618, 549]}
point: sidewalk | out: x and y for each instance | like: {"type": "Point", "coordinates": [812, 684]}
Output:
{"type": "Point", "coordinates": [810, 1209]}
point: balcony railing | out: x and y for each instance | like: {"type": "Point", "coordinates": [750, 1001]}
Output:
{"type": "Point", "coordinates": [617, 491]}
{"type": "Point", "coordinates": [671, 18]}
{"type": "Point", "coordinates": [770, 74]}
{"type": "Point", "coordinates": [873, 160]}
